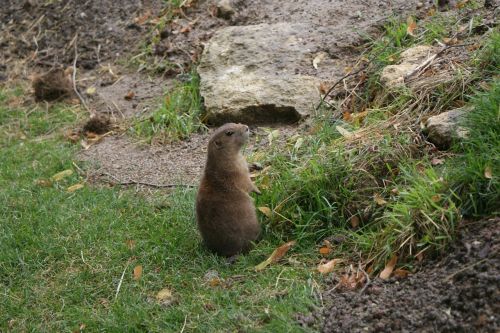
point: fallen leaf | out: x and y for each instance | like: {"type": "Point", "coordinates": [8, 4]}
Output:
{"type": "Point", "coordinates": [130, 244]}
{"type": "Point", "coordinates": [488, 173]}
{"type": "Point", "coordinates": [379, 200]}
{"type": "Point", "coordinates": [60, 175]}
{"type": "Point", "coordinates": [90, 90]}
{"type": "Point", "coordinates": [329, 266]}
{"type": "Point", "coordinates": [354, 221]}
{"type": "Point", "coordinates": [275, 256]}
{"type": "Point", "coordinates": [437, 161]}
{"type": "Point", "coordinates": [319, 57]}
{"type": "Point", "coordinates": [165, 297]}
{"type": "Point", "coordinates": [129, 95]}
{"type": "Point", "coordinates": [273, 135]}
{"type": "Point", "coordinates": [43, 182]}
{"type": "Point", "coordinates": [74, 188]}
{"type": "Point", "coordinates": [461, 4]}
{"type": "Point", "coordinates": [72, 136]}
{"type": "Point", "coordinates": [352, 280]}
{"type": "Point", "coordinates": [186, 29]}
{"type": "Point", "coordinates": [325, 250]}
{"type": "Point", "coordinates": [298, 143]}
{"type": "Point", "coordinates": [345, 133]}
{"type": "Point", "coordinates": [450, 41]}
{"type": "Point", "coordinates": [323, 88]}
{"type": "Point", "coordinates": [143, 18]}
{"type": "Point", "coordinates": [436, 198]}
{"type": "Point", "coordinates": [85, 145]}
{"type": "Point", "coordinates": [389, 267]}
{"type": "Point", "coordinates": [137, 272]}
{"type": "Point", "coordinates": [266, 211]}
{"type": "Point", "coordinates": [412, 25]}
{"type": "Point", "coordinates": [401, 273]}
{"type": "Point", "coordinates": [346, 116]}
{"type": "Point", "coordinates": [359, 115]}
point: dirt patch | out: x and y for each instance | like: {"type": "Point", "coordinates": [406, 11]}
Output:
{"type": "Point", "coordinates": [45, 32]}
{"type": "Point", "coordinates": [459, 293]}
{"type": "Point", "coordinates": [125, 95]}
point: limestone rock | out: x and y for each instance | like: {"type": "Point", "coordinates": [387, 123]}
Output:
{"type": "Point", "coordinates": [247, 75]}
{"type": "Point", "coordinates": [393, 75]}
{"type": "Point", "coordinates": [442, 129]}
{"type": "Point", "coordinates": [225, 9]}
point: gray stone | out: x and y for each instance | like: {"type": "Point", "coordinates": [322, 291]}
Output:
{"type": "Point", "coordinates": [442, 129]}
{"type": "Point", "coordinates": [247, 75]}
{"type": "Point", "coordinates": [225, 9]}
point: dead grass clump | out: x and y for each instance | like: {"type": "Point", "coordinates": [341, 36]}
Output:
{"type": "Point", "coordinates": [53, 85]}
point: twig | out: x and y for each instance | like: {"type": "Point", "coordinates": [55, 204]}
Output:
{"type": "Point", "coordinates": [449, 277]}
{"type": "Point", "coordinates": [121, 280]}
{"type": "Point", "coordinates": [133, 182]}
{"type": "Point", "coordinates": [365, 66]}
{"type": "Point", "coordinates": [368, 281]}
{"type": "Point", "coordinates": [74, 78]}
{"type": "Point", "coordinates": [184, 325]}
{"type": "Point", "coordinates": [423, 66]}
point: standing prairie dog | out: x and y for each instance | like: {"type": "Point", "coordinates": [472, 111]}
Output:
{"type": "Point", "coordinates": [225, 211]}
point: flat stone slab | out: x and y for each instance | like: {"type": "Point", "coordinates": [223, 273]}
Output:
{"type": "Point", "coordinates": [251, 74]}
{"type": "Point", "coordinates": [271, 71]}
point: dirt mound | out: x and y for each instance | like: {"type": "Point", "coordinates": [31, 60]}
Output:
{"type": "Point", "coordinates": [46, 31]}
{"type": "Point", "coordinates": [459, 293]}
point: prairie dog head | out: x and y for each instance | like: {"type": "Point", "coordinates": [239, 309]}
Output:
{"type": "Point", "coordinates": [229, 139]}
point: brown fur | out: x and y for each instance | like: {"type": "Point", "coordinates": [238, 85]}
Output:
{"type": "Point", "coordinates": [225, 211]}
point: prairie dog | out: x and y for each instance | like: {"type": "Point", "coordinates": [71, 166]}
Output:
{"type": "Point", "coordinates": [225, 211]}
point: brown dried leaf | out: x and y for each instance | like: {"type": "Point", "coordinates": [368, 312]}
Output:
{"type": "Point", "coordinates": [379, 200]}
{"type": "Point", "coordinates": [389, 267]}
{"type": "Point", "coordinates": [137, 272]}
{"type": "Point", "coordinates": [346, 116]}
{"type": "Point", "coordinates": [275, 256]}
{"type": "Point", "coordinates": [74, 188]}
{"type": "Point", "coordinates": [324, 87]}
{"type": "Point", "coordinates": [165, 297]}
{"type": "Point", "coordinates": [60, 175]}
{"type": "Point", "coordinates": [354, 221]}
{"type": "Point", "coordinates": [325, 250]}
{"type": "Point", "coordinates": [412, 25]}
{"type": "Point", "coordinates": [266, 211]}
{"type": "Point", "coordinates": [129, 95]}
{"type": "Point", "coordinates": [488, 173]}
{"type": "Point", "coordinates": [130, 244]}
{"type": "Point", "coordinates": [437, 161]}
{"type": "Point", "coordinates": [43, 182]}
{"type": "Point", "coordinates": [436, 198]}
{"type": "Point", "coordinates": [401, 273]}
{"type": "Point", "coordinates": [329, 266]}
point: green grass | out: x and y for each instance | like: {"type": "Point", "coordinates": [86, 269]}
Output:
{"type": "Point", "coordinates": [179, 115]}
{"type": "Point", "coordinates": [62, 254]}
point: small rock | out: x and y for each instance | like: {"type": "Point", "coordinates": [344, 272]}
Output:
{"type": "Point", "coordinates": [393, 76]}
{"type": "Point", "coordinates": [442, 129]}
{"type": "Point", "coordinates": [225, 9]}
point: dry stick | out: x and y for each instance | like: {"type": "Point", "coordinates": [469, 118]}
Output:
{"type": "Point", "coordinates": [133, 182]}
{"type": "Point", "coordinates": [74, 77]}
{"type": "Point", "coordinates": [449, 277]}
{"type": "Point", "coordinates": [368, 281]}
{"type": "Point", "coordinates": [365, 66]}
{"type": "Point", "coordinates": [423, 66]}
{"type": "Point", "coordinates": [184, 325]}
{"type": "Point", "coordinates": [121, 280]}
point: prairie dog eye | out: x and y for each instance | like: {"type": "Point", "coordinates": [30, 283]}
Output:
{"type": "Point", "coordinates": [229, 133]}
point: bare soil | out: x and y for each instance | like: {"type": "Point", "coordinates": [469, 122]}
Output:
{"type": "Point", "coordinates": [457, 293]}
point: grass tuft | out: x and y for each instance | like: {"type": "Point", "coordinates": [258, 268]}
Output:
{"type": "Point", "coordinates": [179, 115]}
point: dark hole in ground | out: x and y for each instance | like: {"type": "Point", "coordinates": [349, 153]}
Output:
{"type": "Point", "coordinates": [269, 114]}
